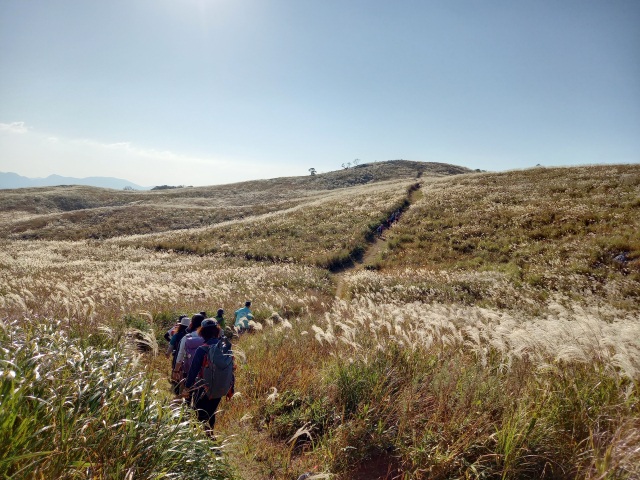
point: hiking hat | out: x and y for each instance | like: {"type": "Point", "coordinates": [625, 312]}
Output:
{"type": "Point", "coordinates": [208, 322]}
{"type": "Point", "coordinates": [185, 321]}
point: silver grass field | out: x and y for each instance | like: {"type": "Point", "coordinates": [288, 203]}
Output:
{"type": "Point", "coordinates": [491, 334]}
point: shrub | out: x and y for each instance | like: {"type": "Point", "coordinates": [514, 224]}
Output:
{"type": "Point", "coordinates": [73, 411]}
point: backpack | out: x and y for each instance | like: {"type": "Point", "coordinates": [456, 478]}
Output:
{"type": "Point", "coordinates": [191, 344]}
{"type": "Point", "coordinates": [217, 369]}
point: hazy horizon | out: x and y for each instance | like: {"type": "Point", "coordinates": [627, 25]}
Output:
{"type": "Point", "coordinates": [209, 92]}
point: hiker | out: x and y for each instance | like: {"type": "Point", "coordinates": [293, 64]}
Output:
{"type": "Point", "coordinates": [219, 318]}
{"type": "Point", "coordinates": [188, 345]}
{"type": "Point", "coordinates": [222, 323]}
{"type": "Point", "coordinates": [172, 349]}
{"type": "Point", "coordinates": [204, 406]}
{"type": "Point", "coordinates": [198, 318]}
{"type": "Point", "coordinates": [169, 333]}
{"type": "Point", "coordinates": [179, 331]}
{"type": "Point", "coordinates": [243, 316]}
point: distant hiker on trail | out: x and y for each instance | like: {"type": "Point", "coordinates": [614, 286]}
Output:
{"type": "Point", "coordinates": [207, 380]}
{"type": "Point", "coordinates": [174, 346]}
{"type": "Point", "coordinates": [220, 319]}
{"type": "Point", "coordinates": [243, 315]}
{"type": "Point", "coordinates": [196, 320]}
{"type": "Point", "coordinates": [188, 345]}
{"type": "Point", "coordinates": [169, 333]}
{"type": "Point", "coordinates": [222, 323]}
{"type": "Point", "coordinates": [175, 335]}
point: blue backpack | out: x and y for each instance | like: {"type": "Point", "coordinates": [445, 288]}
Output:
{"type": "Point", "coordinates": [217, 369]}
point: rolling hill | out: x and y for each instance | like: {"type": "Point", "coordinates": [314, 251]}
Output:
{"type": "Point", "coordinates": [491, 331]}
{"type": "Point", "coordinates": [76, 212]}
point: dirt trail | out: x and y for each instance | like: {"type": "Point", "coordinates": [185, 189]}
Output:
{"type": "Point", "coordinates": [375, 248]}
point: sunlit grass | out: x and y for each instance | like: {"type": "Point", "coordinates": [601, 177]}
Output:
{"type": "Point", "coordinates": [553, 229]}
{"type": "Point", "coordinates": [91, 283]}
{"type": "Point", "coordinates": [494, 337]}
{"type": "Point", "coordinates": [330, 231]}
{"type": "Point", "coordinates": [82, 408]}
{"type": "Point", "coordinates": [443, 391]}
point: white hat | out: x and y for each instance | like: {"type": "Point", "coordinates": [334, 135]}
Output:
{"type": "Point", "coordinates": [185, 321]}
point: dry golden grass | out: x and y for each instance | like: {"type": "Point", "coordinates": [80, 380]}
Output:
{"type": "Point", "coordinates": [497, 338]}
{"type": "Point", "coordinates": [79, 212]}
{"type": "Point", "coordinates": [92, 284]}
{"type": "Point", "coordinates": [553, 229]}
{"type": "Point", "coordinates": [327, 231]}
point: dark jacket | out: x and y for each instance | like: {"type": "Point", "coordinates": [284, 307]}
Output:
{"type": "Point", "coordinates": [175, 343]}
{"type": "Point", "coordinates": [198, 358]}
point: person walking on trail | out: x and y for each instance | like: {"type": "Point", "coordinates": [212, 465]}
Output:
{"type": "Point", "coordinates": [243, 315]}
{"type": "Point", "coordinates": [222, 323]}
{"type": "Point", "coordinates": [169, 333]}
{"type": "Point", "coordinates": [197, 320]}
{"type": "Point", "coordinates": [192, 331]}
{"type": "Point", "coordinates": [204, 406]}
{"type": "Point", "coordinates": [172, 349]}
{"type": "Point", "coordinates": [178, 333]}
{"type": "Point", "coordinates": [189, 343]}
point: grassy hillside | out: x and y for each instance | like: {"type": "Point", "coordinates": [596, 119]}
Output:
{"type": "Point", "coordinates": [329, 231]}
{"type": "Point", "coordinates": [494, 334]}
{"type": "Point", "coordinates": [78, 212]}
{"type": "Point", "coordinates": [570, 231]}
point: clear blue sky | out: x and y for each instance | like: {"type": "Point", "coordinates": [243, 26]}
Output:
{"type": "Point", "coordinates": [202, 92]}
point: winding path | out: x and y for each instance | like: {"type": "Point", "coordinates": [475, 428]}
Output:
{"type": "Point", "coordinates": [375, 248]}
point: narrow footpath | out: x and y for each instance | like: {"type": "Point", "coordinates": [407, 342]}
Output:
{"type": "Point", "coordinates": [375, 248]}
{"type": "Point", "coordinates": [259, 467]}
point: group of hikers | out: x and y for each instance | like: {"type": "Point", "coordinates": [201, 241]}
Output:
{"type": "Point", "coordinates": [202, 366]}
{"type": "Point", "coordinates": [202, 363]}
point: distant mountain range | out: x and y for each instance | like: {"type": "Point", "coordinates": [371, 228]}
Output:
{"type": "Point", "coordinates": [13, 180]}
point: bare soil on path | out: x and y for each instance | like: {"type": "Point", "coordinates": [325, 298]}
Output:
{"type": "Point", "coordinates": [374, 249]}
{"type": "Point", "coordinates": [271, 461]}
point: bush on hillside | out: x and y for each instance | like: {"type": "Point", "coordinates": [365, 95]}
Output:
{"type": "Point", "coordinates": [69, 410]}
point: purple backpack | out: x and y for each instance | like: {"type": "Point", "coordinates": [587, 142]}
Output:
{"type": "Point", "coordinates": [191, 344]}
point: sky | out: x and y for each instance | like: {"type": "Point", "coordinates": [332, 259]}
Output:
{"type": "Point", "coordinates": [203, 92]}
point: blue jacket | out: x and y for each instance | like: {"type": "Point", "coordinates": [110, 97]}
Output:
{"type": "Point", "coordinates": [241, 313]}
{"type": "Point", "coordinates": [198, 358]}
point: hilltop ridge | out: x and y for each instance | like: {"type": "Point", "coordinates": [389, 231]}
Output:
{"type": "Point", "coordinates": [75, 212]}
